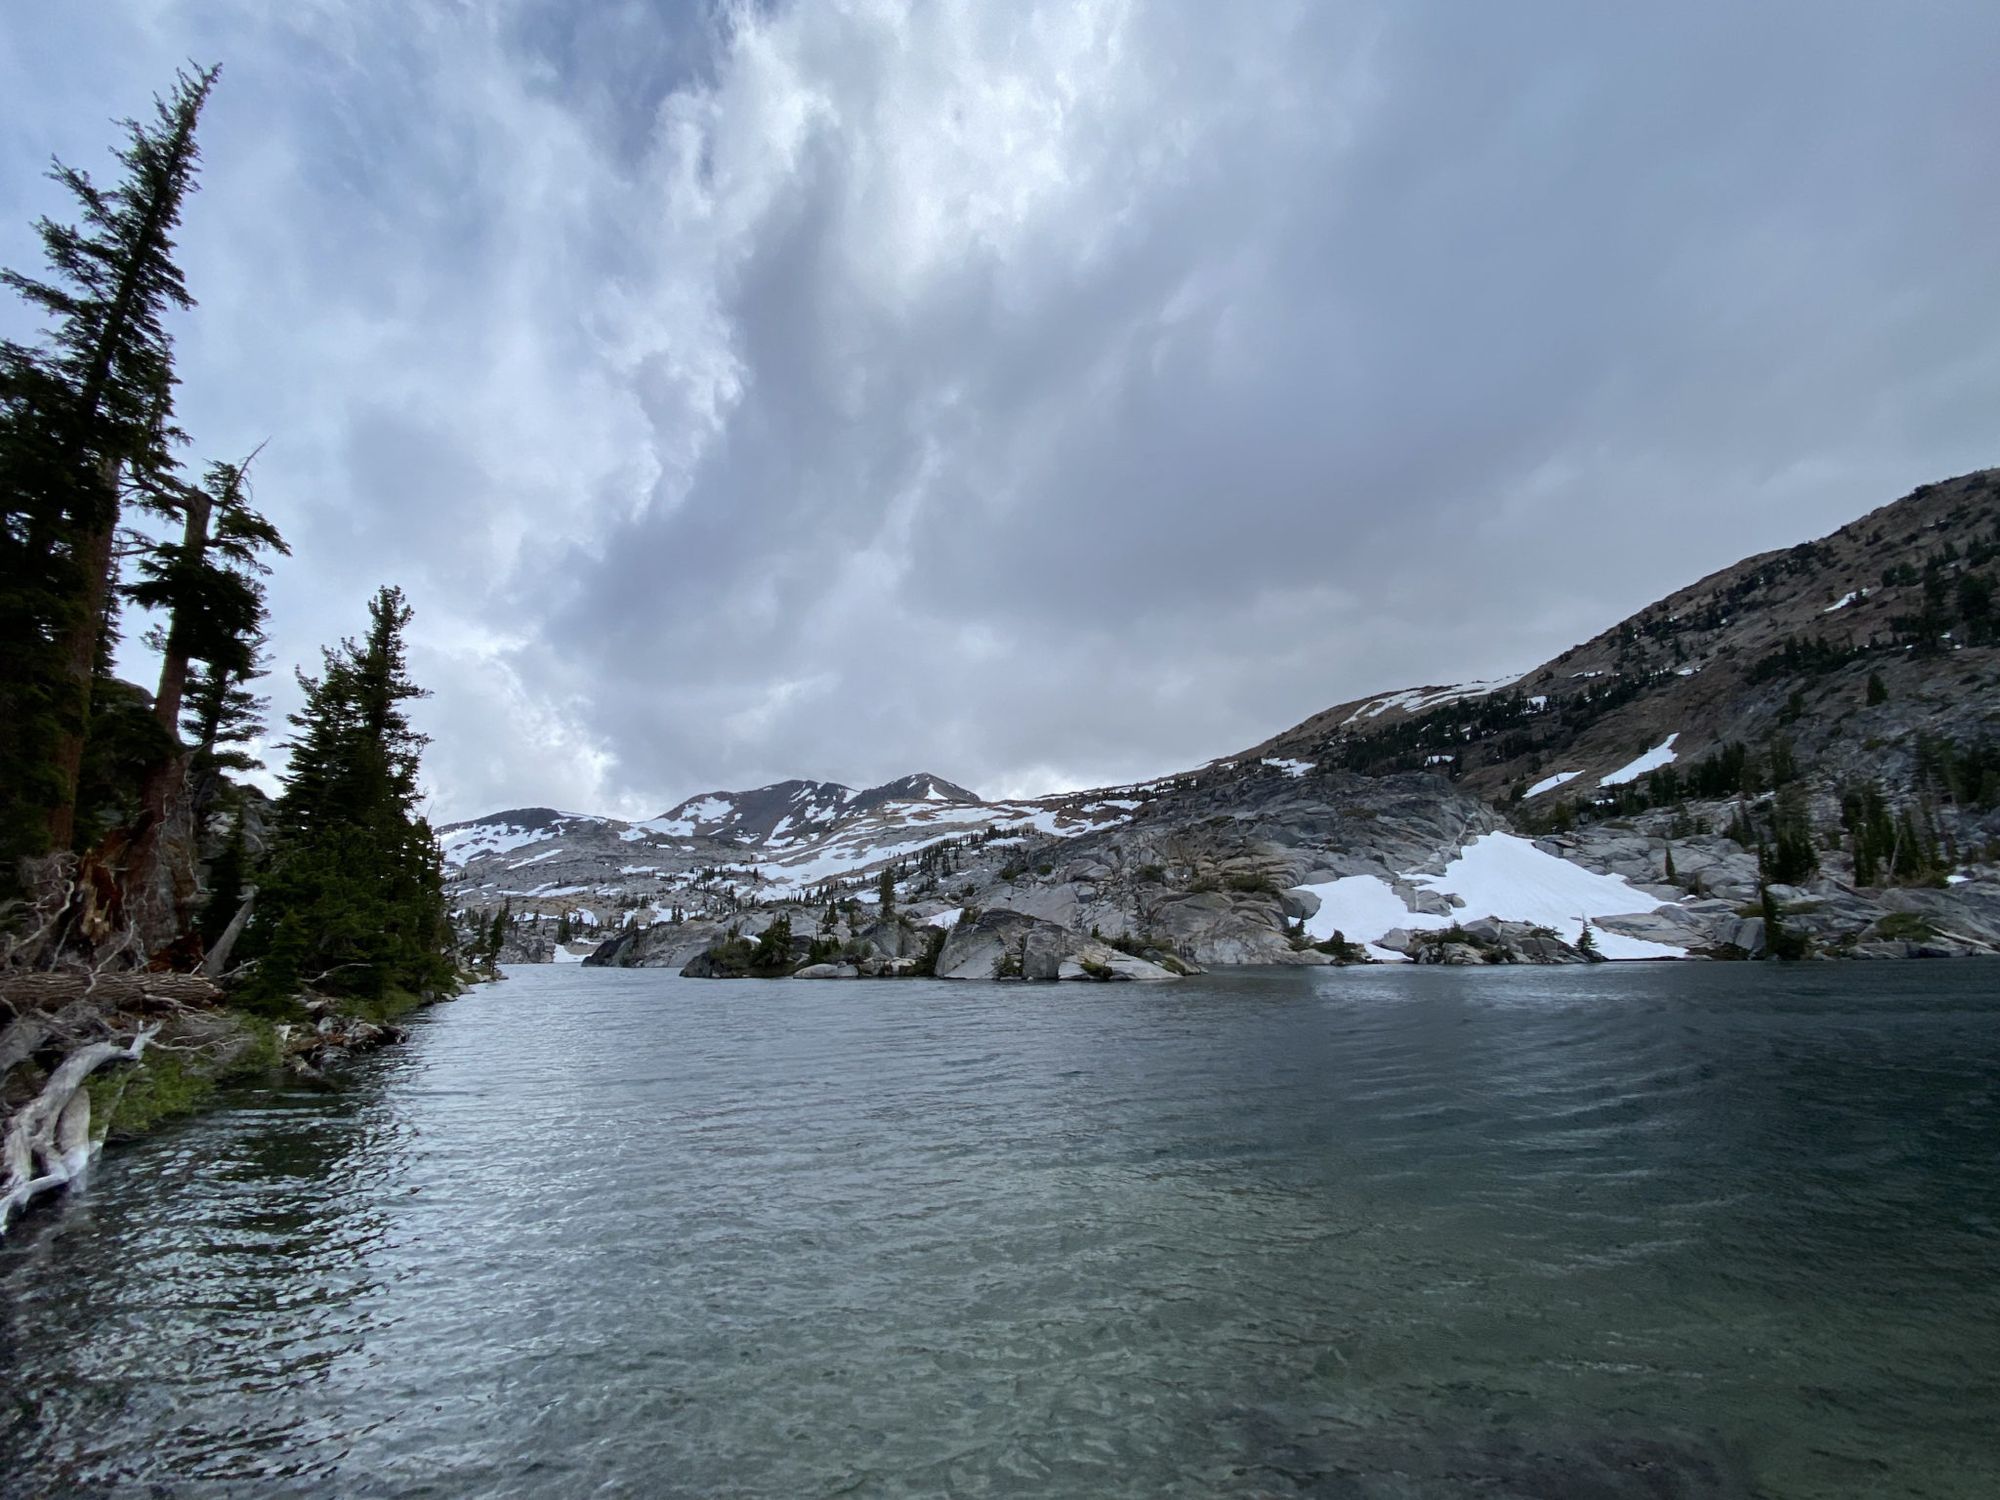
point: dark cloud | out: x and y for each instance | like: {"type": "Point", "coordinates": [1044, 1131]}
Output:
{"type": "Point", "coordinates": [1040, 395]}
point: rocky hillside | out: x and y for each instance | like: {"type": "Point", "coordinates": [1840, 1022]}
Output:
{"type": "Point", "coordinates": [1784, 644]}
{"type": "Point", "coordinates": [1799, 754]}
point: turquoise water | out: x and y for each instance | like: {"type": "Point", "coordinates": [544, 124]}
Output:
{"type": "Point", "coordinates": [1650, 1231]}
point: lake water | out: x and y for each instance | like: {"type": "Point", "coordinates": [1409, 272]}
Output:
{"type": "Point", "coordinates": [1652, 1231]}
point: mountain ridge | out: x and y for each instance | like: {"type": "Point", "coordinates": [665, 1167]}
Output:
{"type": "Point", "coordinates": [1796, 675]}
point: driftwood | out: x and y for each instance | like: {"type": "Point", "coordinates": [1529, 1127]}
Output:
{"type": "Point", "coordinates": [25, 990]}
{"type": "Point", "coordinates": [49, 1143]}
{"type": "Point", "coordinates": [30, 1032]}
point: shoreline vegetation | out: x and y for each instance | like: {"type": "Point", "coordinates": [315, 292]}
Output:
{"type": "Point", "coordinates": [165, 927]}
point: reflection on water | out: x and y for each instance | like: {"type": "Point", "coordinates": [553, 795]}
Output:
{"type": "Point", "coordinates": [1686, 1231]}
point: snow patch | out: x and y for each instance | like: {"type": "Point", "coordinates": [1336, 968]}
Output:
{"type": "Point", "coordinates": [945, 919]}
{"type": "Point", "coordinates": [1292, 768]}
{"type": "Point", "coordinates": [1550, 783]}
{"type": "Point", "coordinates": [1660, 755]}
{"type": "Point", "coordinates": [534, 859]}
{"type": "Point", "coordinates": [1844, 600]}
{"type": "Point", "coordinates": [1506, 876]}
{"type": "Point", "coordinates": [1361, 908]}
{"type": "Point", "coordinates": [462, 844]}
{"type": "Point", "coordinates": [1496, 875]}
{"type": "Point", "coordinates": [1416, 700]}
{"type": "Point", "coordinates": [678, 828]}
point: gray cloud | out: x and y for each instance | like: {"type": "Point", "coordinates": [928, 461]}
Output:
{"type": "Point", "coordinates": [1039, 395]}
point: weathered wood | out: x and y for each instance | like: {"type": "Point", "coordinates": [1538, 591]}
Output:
{"type": "Point", "coordinates": [49, 1143]}
{"type": "Point", "coordinates": [27, 990]}
{"type": "Point", "coordinates": [218, 956]}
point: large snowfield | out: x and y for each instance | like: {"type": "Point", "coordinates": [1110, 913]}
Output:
{"type": "Point", "coordinates": [1496, 875]}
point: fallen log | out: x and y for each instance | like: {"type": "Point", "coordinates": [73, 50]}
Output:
{"type": "Point", "coordinates": [25, 989]}
{"type": "Point", "coordinates": [49, 1143]}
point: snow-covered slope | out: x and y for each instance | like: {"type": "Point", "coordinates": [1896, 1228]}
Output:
{"type": "Point", "coordinates": [713, 853]}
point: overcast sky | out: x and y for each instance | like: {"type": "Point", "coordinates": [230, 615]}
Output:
{"type": "Point", "coordinates": [1038, 395]}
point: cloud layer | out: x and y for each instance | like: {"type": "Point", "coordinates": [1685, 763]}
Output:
{"type": "Point", "coordinates": [1039, 395]}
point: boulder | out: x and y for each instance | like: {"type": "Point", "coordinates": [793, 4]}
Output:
{"type": "Point", "coordinates": [1421, 898]}
{"type": "Point", "coordinates": [1397, 940]}
{"type": "Point", "coordinates": [828, 971]}
{"type": "Point", "coordinates": [1222, 928]}
{"type": "Point", "coordinates": [1746, 933]}
{"type": "Point", "coordinates": [1669, 924]}
{"type": "Point", "coordinates": [1541, 948]}
{"type": "Point", "coordinates": [991, 946]}
{"type": "Point", "coordinates": [1456, 954]}
{"type": "Point", "coordinates": [892, 937]}
{"type": "Point", "coordinates": [663, 945]}
{"type": "Point", "coordinates": [1094, 961]}
{"type": "Point", "coordinates": [1061, 905]}
{"type": "Point", "coordinates": [1001, 944]}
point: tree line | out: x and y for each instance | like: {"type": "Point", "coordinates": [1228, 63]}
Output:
{"type": "Point", "coordinates": [116, 800]}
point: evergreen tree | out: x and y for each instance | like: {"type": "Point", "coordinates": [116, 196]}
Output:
{"type": "Point", "coordinates": [1793, 858]}
{"type": "Point", "coordinates": [1878, 690]}
{"type": "Point", "coordinates": [80, 417]}
{"type": "Point", "coordinates": [208, 583]}
{"type": "Point", "coordinates": [354, 902]}
{"type": "Point", "coordinates": [885, 888]}
{"type": "Point", "coordinates": [496, 938]}
{"type": "Point", "coordinates": [220, 715]}
{"type": "Point", "coordinates": [774, 947]}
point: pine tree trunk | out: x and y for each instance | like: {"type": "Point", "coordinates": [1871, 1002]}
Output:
{"type": "Point", "coordinates": [77, 657]}
{"type": "Point", "coordinates": [158, 885]}
{"type": "Point", "coordinates": [174, 660]}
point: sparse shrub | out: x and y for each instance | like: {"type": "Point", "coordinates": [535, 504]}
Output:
{"type": "Point", "coordinates": [1905, 927]}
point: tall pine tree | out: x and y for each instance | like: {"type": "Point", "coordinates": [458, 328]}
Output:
{"type": "Point", "coordinates": [354, 900]}
{"type": "Point", "coordinates": [81, 417]}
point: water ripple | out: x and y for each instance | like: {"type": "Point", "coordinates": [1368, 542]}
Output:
{"type": "Point", "coordinates": [1698, 1231]}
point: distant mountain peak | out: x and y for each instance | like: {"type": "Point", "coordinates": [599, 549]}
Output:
{"type": "Point", "coordinates": [918, 786]}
